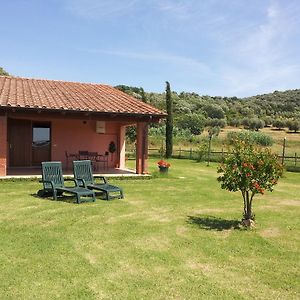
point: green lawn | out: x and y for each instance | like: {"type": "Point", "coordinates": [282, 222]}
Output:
{"type": "Point", "coordinates": [172, 237]}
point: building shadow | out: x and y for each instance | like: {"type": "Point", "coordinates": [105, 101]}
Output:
{"type": "Point", "coordinates": [65, 198]}
{"type": "Point", "coordinates": [69, 198]}
{"type": "Point", "coordinates": [213, 223]}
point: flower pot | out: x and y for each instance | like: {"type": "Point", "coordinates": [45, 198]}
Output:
{"type": "Point", "coordinates": [163, 169]}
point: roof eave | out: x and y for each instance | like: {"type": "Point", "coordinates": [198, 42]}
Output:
{"type": "Point", "coordinates": [83, 112]}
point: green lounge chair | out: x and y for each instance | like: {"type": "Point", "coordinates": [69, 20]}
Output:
{"type": "Point", "coordinates": [83, 174]}
{"type": "Point", "coordinates": [53, 183]}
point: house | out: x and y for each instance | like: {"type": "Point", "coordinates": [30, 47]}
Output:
{"type": "Point", "coordinates": [43, 120]}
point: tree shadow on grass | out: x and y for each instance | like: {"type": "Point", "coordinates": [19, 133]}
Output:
{"type": "Point", "coordinates": [213, 223]}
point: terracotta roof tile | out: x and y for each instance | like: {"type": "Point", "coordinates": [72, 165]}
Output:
{"type": "Point", "coordinates": [74, 96]}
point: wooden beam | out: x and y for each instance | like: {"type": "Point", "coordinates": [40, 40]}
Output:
{"type": "Point", "coordinates": [97, 116]}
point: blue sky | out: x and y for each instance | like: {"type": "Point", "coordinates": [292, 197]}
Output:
{"type": "Point", "coordinates": [212, 47]}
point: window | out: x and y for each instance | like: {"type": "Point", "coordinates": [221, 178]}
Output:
{"type": "Point", "coordinates": [40, 135]}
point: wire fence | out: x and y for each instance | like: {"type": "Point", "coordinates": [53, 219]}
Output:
{"type": "Point", "coordinates": [213, 156]}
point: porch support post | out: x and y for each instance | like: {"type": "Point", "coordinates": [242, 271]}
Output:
{"type": "Point", "coordinates": [122, 147]}
{"type": "Point", "coordinates": [3, 145]}
{"type": "Point", "coordinates": [142, 148]}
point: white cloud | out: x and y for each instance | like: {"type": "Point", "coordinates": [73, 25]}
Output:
{"type": "Point", "coordinates": [169, 58]}
{"type": "Point", "coordinates": [262, 45]}
{"type": "Point", "coordinates": [178, 8]}
{"type": "Point", "coordinates": [235, 48]}
{"type": "Point", "coordinates": [259, 60]}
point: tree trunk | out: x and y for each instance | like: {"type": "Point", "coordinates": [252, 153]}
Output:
{"type": "Point", "coordinates": [248, 207]}
{"type": "Point", "coordinates": [169, 122]}
{"type": "Point", "coordinates": [248, 217]}
{"type": "Point", "coordinates": [245, 203]}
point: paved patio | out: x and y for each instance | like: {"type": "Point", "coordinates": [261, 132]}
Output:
{"type": "Point", "coordinates": [35, 172]}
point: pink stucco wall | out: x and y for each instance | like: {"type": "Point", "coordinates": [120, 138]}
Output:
{"type": "Point", "coordinates": [3, 145]}
{"type": "Point", "coordinates": [72, 135]}
{"type": "Point", "coordinates": [75, 135]}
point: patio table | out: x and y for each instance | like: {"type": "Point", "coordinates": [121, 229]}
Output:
{"type": "Point", "coordinates": [95, 158]}
{"type": "Point", "coordinates": [70, 157]}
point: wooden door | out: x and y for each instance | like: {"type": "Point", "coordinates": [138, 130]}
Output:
{"type": "Point", "coordinates": [20, 138]}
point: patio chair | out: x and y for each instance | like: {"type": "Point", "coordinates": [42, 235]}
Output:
{"type": "Point", "coordinates": [83, 174]}
{"type": "Point", "coordinates": [70, 157]}
{"type": "Point", "coordinates": [92, 156]}
{"type": "Point", "coordinates": [54, 183]}
{"type": "Point", "coordinates": [103, 159]}
{"type": "Point", "coordinates": [83, 154]}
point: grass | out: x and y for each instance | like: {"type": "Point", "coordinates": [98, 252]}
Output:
{"type": "Point", "coordinates": [173, 237]}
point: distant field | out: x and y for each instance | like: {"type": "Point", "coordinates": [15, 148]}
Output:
{"type": "Point", "coordinates": [292, 140]}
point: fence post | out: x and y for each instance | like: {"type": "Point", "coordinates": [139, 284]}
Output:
{"type": "Point", "coordinates": [283, 150]}
{"type": "Point", "coordinates": [180, 152]}
{"type": "Point", "coordinates": [295, 159]}
{"type": "Point", "coordinates": [222, 154]}
{"type": "Point", "coordinates": [191, 153]}
{"type": "Point", "coordinates": [209, 150]}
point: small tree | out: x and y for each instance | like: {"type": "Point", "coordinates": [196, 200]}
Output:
{"type": "Point", "coordinates": [216, 123]}
{"type": "Point", "coordinates": [193, 122]}
{"type": "Point", "coordinates": [279, 124]}
{"type": "Point", "coordinates": [256, 124]}
{"type": "Point", "coordinates": [250, 170]}
{"type": "Point", "coordinates": [131, 134]}
{"type": "Point", "coordinates": [234, 122]}
{"type": "Point", "coordinates": [294, 125]}
{"type": "Point", "coordinates": [212, 131]}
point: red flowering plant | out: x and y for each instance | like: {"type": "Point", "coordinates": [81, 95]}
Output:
{"type": "Point", "coordinates": [252, 171]}
{"type": "Point", "coordinates": [163, 164]}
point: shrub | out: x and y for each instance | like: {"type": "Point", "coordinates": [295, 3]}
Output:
{"type": "Point", "coordinates": [213, 131]}
{"type": "Point", "coordinates": [214, 111]}
{"type": "Point", "coordinates": [202, 151]}
{"type": "Point", "coordinates": [268, 121]}
{"type": "Point", "coordinates": [160, 131]}
{"type": "Point", "coordinates": [131, 134]}
{"type": "Point", "coordinates": [216, 123]}
{"type": "Point", "coordinates": [295, 169]}
{"type": "Point", "coordinates": [246, 122]}
{"type": "Point", "coordinates": [157, 131]}
{"type": "Point", "coordinates": [257, 138]}
{"type": "Point", "coordinates": [234, 122]}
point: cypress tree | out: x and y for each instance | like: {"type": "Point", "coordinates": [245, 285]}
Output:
{"type": "Point", "coordinates": [169, 123]}
{"type": "Point", "coordinates": [144, 98]}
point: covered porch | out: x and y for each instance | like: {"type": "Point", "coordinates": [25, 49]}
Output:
{"type": "Point", "coordinates": [35, 172]}
{"type": "Point", "coordinates": [33, 138]}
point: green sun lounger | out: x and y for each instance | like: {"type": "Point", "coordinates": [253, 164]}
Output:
{"type": "Point", "coordinates": [54, 183]}
{"type": "Point", "coordinates": [82, 170]}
